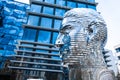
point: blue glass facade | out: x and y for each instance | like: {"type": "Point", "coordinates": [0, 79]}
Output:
{"type": "Point", "coordinates": [13, 15]}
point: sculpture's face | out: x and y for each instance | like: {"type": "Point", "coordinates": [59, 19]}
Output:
{"type": "Point", "coordinates": [69, 27]}
{"type": "Point", "coordinates": [69, 37]}
{"type": "Point", "coordinates": [82, 29]}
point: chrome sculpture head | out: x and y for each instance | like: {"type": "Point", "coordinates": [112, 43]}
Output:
{"type": "Point", "coordinates": [84, 26]}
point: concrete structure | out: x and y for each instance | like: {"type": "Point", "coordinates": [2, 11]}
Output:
{"type": "Point", "coordinates": [117, 49]}
{"type": "Point", "coordinates": [117, 55]}
{"type": "Point", "coordinates": [111, 61]}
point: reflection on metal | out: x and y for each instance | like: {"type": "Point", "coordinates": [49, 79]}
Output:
{"type": "Point", "coordinates": [82, 38]}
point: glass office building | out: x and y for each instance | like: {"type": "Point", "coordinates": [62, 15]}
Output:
{"type": "Point", "coordinates": [12, 16]}
{"type": "Point", "coordinates": [36, 56]}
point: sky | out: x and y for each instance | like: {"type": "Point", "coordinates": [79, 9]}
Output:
{"type": "Point", "coordinates": [111, 14]}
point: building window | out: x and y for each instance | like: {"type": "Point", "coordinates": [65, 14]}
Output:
{"type": "Point", "coordinates": [71, 4]}
{"type": "Point", "coordinates": [91, 0]}
{"type": "Point", "coordinates": [39, 0]}
{"type": "Point", "coordinates": [48, 10]}
{"type": "Point", "coordinates": [44, 36]}
{"type": "Point", "coordinates": [54, 52]}
{"type": "Point", "coordinates": [43, 51]}
{"type": "Point", "coordinates": [46, 22]}
{"type": "Point", "coordinates": [57, 24]}
{"type": "Point", "coordinates": [59, 12]}
{"type": "Point", "coordinates": [55, 57]}
{"type": "Point", "coordinates": [80, 5]}
{"type": "Point", "coordinates": [50, 1]}
{"type": "Point", "coordinates": [54, 37]}
{"type": "Point", "coordinates": [35, 8]}
{"type": "Point", "coordinates": [33, 20]}
{"type": "Point", "coordinates": [29, 34]}
{"type": "Point", "coordinates": [60, 2]}
{"type": "Point", "coordinates": [92, 7]}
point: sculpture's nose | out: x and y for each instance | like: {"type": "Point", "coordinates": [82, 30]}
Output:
{"type": "Point", "coordinates": [59, 41]}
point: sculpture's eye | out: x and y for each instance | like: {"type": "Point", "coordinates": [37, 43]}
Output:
{"type": "Point", "coordinates": [61, 31]}
{"type": "Point", "coordinates": [70, 27]}
{"type": "Point", "coordinates": [66, 29]}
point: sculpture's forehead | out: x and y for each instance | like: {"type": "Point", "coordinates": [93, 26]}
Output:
{"type": "Point", "coordinates": [81, 17]}
{"type": "Point", "coordinates": [68, 21]}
